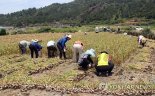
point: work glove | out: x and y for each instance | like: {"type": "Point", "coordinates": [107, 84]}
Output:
{"type": "Point", "coordinates": [64, 49]}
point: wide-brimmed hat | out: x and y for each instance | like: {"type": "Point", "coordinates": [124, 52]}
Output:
{"type": "Point", "coordinates": [90, 52]}
{"type": "Point", "coordinates": [69, 36]}
{"type": "Point", "coordinates": [35, 40]}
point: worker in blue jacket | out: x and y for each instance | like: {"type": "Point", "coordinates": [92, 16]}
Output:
{"type": "Point", "coordinates": [61, 44]}
{"type": "Point", "coordinates": [35, 47]}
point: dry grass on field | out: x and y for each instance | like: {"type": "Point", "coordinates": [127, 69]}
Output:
{"type": "Point", "coordinates": [118, 46]}
{"type": "Point", "coordinates": [15, 67]}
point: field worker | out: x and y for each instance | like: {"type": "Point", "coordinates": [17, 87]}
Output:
{"type": "Point", "coordinates": [85, 60]}
{"type": "Point", "coordinates": [77, 50]}
{"type": "Point", "coordinates": [97, 29]}
{"type": "Point", "coordinates": [139, 39]}
{"type": "Point", "coordinates": [35, 47]}
{"type": "Point", "coordinates": [104, 29]}
{"type": "Point", "coordinates": [118, 29]}
{"type": "Point", "coordinates": [104, 64]}
{"type": "Point", "coordinates": [51, 48]}
{"type": "Point", "coordinates": [61, 44]}
{"type": "Point", "coordinates": [23, 45]}
{"type": "Point", "coordinates": [142, 40]}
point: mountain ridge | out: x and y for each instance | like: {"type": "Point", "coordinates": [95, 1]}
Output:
{"type": "Point", "coordinates": [82, 12]}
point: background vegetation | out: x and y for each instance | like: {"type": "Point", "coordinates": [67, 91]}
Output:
{"type": "Point", "coordinates": [83, 12]}
{"type": "Point", "coordinates": [3, 32]}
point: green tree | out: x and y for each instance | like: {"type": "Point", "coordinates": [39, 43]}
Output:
{"type": "Point", "coordinates": [3, 32]}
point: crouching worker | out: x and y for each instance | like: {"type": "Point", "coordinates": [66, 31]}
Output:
{"type": "Point", "coordinates": [104, 64]}
{"type": "Point", "coordinates": [35, 47]}
{"type": "Point", "coordinates": [51, 48]}
{"type": "Point", "coordinates": [77, 50]}
{"type": "Point", "coordinates": [85, 59]}
{"type": "Point", "coordinates": [23, 45]}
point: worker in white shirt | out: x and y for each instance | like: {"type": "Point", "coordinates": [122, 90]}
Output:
{"type": "Point", "coordinates": [96, 29]}
{"type": "Point", "coordinates": [142, 40]}
{"type": "Point", "coordinates": [52, 50]}
{"type": "Point", "coordinates": [23, 45]}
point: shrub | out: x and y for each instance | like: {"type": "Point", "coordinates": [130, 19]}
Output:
{"type": "Point", "coordinates": [146, 32]}
{"type": "Point", "coordinates": [128, 29]}
{"type": "Point", "coordinates": [44, 30]}
{"type": "Point", "coordinates": [19, 31]}
{"type": "Point", "coordinates": [3, 32]}
{"type": "Point", "coordinates": [64, 30]}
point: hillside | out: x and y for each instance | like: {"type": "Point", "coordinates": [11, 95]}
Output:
{"type": "Point", "coordinates": [83, 11]}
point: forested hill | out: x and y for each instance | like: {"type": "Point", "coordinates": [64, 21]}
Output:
{"type": "Point", "coordinates": [82, 11]}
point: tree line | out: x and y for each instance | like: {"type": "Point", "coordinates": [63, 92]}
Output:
{"type": "Point", "coordinates": [82, 12]}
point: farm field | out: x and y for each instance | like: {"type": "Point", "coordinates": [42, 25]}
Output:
{"type": "Point", "coordinates": [21, 72]}
{"type": "Point", "coordinates": [119, 46]}
{"type": "Point", "coordinates": [125, 29]}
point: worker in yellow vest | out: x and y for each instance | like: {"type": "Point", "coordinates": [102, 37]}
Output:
{"type": "Point", "coordinates": [104, 64]}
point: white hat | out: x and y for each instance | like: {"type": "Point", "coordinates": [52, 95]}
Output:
{"type": "Point", "coordinates": [69, 36]}
{"type": "Point", "coordinates": [34, 40]}
{"type": "Point", "coordinates": [90, 52]}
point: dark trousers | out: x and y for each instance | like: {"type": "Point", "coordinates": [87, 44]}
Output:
{"type": "Point", "coordinates": [61, 51]}
{"type": "Point", "coordinates": [84, 63]}
{"type": "Point", "coordinates": [22, 49]}
{"type": "Point", "coordinates": [33, 50]}
{"type": "Point", "coordinates": [143, 44]}
{"type": "Point", "coordinates": [52, 50]}
{"type": "Point", "coordinates": [105, 69]}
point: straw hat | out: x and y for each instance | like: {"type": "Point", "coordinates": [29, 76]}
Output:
{"type": "Point", "coordinates": [35, 40]}
{"type": "Point", "coordinates": [69, 36]}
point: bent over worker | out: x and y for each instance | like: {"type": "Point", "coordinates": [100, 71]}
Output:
{"type": "Point", "coordinates": [61, 44]}
{"type": "Point", "coordinates": [141, 40]}
{"type": "Point", "coordinates": [77, 50]}
{"type": "Point", "coordinates": [104, 64]}
{"type": "Point", "coordinates": [35, 47]}
{"type": "Point", "coordinates": [51, 48]}
{"type": "Point", "coordinates": [85, 59]}
{"type": "Point", "coordinates": [23, 45]}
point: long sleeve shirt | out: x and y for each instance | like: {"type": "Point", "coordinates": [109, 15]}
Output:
{"type": "Point", "coordinates": [62, 42]}
{"type": "Point", "coordinates": [36, 45]}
